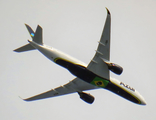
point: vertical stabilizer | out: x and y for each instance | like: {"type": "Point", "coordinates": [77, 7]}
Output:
{"type": "Point", "coordinates": [32, 33]}
{"type": "Point", "coordinates": [36, 37]}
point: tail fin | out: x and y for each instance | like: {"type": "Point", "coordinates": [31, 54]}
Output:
{"type": "Point", "coordinates": [37, 37]}
{"type": "Point", "coordinates": [32, 34]}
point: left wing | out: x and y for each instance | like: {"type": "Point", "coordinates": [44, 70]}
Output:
{"type": "Point", "coordinates": [97, 64]}
{"type": "Point", "coordinates": [76, 85]}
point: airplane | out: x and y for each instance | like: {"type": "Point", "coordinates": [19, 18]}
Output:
{"type": "Point", "coordinates": [95, 75]}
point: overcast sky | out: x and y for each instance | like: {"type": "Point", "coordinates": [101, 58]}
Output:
{"type": "Point", "coordinates": [74, 27]}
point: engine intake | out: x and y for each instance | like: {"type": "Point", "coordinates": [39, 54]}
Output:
{"type": "Point", "coordinates": [86, 97]}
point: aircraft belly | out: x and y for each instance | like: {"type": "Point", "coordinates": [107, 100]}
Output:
{"type": "Point", "coordinates": [83, 73]}
{"type": "Point", "coordinates": [121, 92]}
{"type": "Point", "coordinates": [124, 91]}
{"type": "Point", "coordinates": [114, 86]}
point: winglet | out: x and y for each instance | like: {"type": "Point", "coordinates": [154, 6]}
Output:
{"type": "Point", "coordinates": [23, 99]}
{"type": "Point", "coordinates": [108, 11]}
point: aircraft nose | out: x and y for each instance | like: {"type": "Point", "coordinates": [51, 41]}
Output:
{"type": "Point", "coordinates": [143, 102]}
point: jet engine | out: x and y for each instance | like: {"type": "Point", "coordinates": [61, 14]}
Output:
{"type": "Point", "coordinates": [115, 68]}
{"type": "Point", "coordinates": [86, 97]}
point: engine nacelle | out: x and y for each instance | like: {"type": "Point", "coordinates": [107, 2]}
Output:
{"type": "Point", "coordinates": [86, 97]}
{"type": "Point", "coordinates": [115, 68]}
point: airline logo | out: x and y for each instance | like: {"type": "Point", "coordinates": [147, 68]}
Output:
{"type": "Point", "coordinates": [127, 86]}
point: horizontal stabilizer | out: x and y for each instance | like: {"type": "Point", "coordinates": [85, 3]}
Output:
{"type": "Point", "coordinates": [38, 35]}
{"type": "Point", "coordinates": [26, 47]}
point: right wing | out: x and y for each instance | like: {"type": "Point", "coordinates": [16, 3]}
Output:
{"type": "Point", "coordinates": [76, 85]}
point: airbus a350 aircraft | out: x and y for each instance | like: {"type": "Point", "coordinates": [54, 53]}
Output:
{"type": "Point", "coordinates": [92, 76]}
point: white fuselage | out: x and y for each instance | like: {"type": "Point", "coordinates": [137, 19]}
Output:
{"type": "Point", "coordinates": [53, 54]}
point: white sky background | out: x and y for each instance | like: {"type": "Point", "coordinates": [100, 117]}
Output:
{"type": "Point", "coordinates": [74, 27]}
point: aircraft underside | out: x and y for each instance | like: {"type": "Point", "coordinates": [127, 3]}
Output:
{"type": "Point", "coordinates": [89, 77]}
{"type": "Point", "coordinates": [92, 76]}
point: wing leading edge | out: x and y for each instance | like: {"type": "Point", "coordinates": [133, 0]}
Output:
{"type": "Point", "coordinates": [97, 65]}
